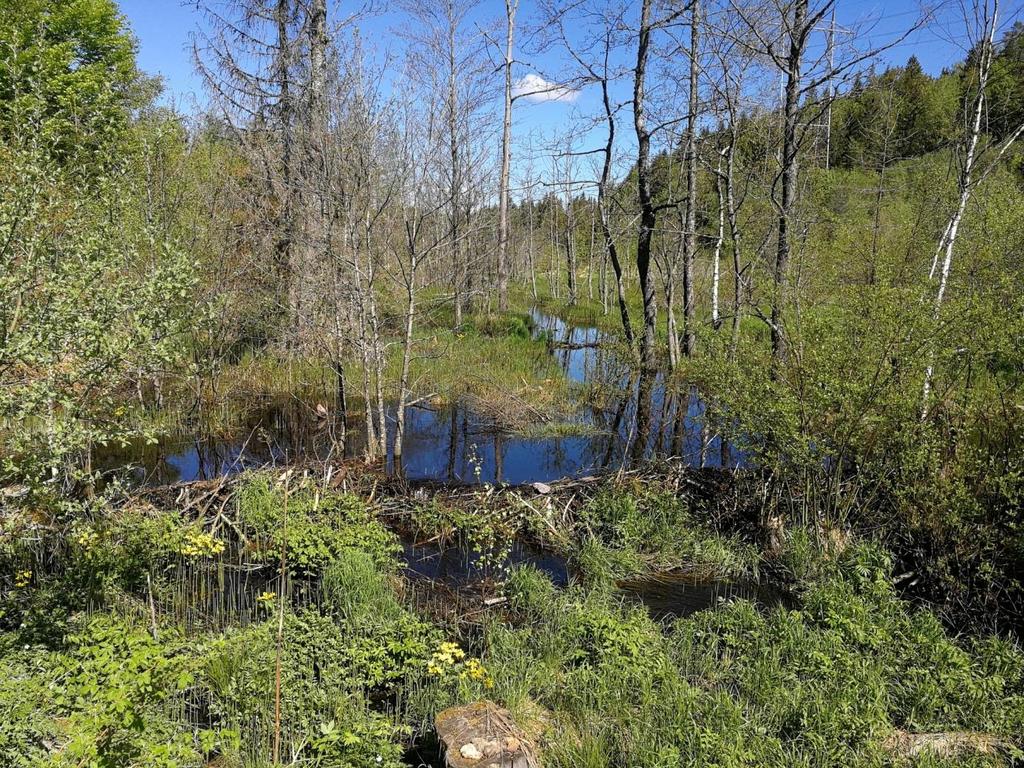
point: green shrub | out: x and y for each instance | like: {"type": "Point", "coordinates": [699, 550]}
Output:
{"type": "Point", "coordinates": [318, 530]}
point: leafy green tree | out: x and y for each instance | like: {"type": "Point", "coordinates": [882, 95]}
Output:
{"type": "Point", "coordinates": [85, 313]}
{"type": "Point", "coordinates": [68, 75]}
{"type": "Point", "coordinates": [929, 104]}
{"type": "Point", "coordinates": [97, 292]}
{"type": "Point", "coordinates": [1006, 90]}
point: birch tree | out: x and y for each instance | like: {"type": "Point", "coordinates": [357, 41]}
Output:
{"type": "Point", "coordinates": [975, 160]}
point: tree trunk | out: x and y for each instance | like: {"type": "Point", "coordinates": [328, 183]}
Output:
{"type": "Point", "coordinates": [690, 226]}
{"type": "Point", "coordinates": [506, 159]}
{"type": "Point", "coordinates": [602, 209]}
{"type": "Point", "coordinates": [790, 148]}
{"type": "Point", "coordinates": [286, 217]}
{"type": "Point", "coordinates": [570, 249]}
{"type": "Point", "coordinates": [734, 237]}
{"type": "Point", "coordinates": [716, 264]}
{"type": "Point", "coordinates": [648, 217]}
{"type": "Point", "coordinates": [403, 381]}
{"type": "Point", "coordinates": [459, 271]}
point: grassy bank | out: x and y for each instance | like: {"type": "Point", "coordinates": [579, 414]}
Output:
{"type": "Point", "coordinates": [147, 632]}
{"type": "Point", "coordinates": [490, 362]}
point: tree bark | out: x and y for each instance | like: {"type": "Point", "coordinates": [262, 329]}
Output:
{"type": "Point", "coordinates": [690, 226]}
{"type": "Point", "coordinates": [648, 216]}
{"type": "Point", "coordinates": [602, 208]}
{"type": "Point", "coordinates": [286, 215]}
{"type": "Point", "coordinates": [790, 146]}
{"type": "Point", "coordinates": [506, 158]}
{"type": "Point", "coordinates": [716, 263]}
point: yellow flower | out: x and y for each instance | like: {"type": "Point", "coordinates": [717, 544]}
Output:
{"type": "Point", "coordinates": [22, 578]}
{"type": "Point", "coordinates": [475, 670]}
{"type": "Point", "coordinates": [200, 543]}
{"type": "Point", "coordinates": [87, 539]}
{"type": "Point", "coordinates": [266, 598]}
{"type": "Point", "coordinates": [447, 656]}
{"type": "Point", "coordinates": [448, 653]}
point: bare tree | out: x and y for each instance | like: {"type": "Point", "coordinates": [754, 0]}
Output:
{"type": "Point", "coordinates": [419, 235]}
{"type": "Point", "coordinates": [448, 60]}
{"type": "Point", "coordinates": [733, 62]}
{"type": "Point", "coordinates": [506, 156]}
{"type": "Point", "coordinates": [781, 31]}
{"type": "Point", "coordinates": [593, 56]}
{"type": "Point", "coordinates": [975, 160]}
{"type": "Point", "coordinates": [246, 61]}
{"type": "Point", "coordinates": [689, 234]}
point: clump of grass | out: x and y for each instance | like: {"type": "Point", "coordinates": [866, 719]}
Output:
{"type": "Point", "coordinates": [491, 360]}
{"type": "Point", "coordinates": [632, 528]}
{"type": "Point", "coordinates": [561, 428]}
{"type": "Point", "coordinates": [511, 378]}
{"type": "Point", "coordinates": [823, 685]}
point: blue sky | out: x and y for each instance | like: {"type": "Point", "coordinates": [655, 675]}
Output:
{"type": "Point", "coordinates": [163, 28]}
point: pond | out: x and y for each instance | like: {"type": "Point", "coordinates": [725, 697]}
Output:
{"type": "Point", "coordinates": [666, 596]}
{"type": "Point", "coordinates": [677, 595]}
{"type": "Point", "coordinates": [637, 418]}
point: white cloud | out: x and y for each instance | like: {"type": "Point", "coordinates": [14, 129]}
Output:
{"type": "Point", "coordinates": [536, 89]}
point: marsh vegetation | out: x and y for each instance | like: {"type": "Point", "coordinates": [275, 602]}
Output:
{"type": "Point", "coordinates": [689, 434]}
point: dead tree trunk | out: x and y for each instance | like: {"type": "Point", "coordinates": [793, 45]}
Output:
{"type": "Point", "coordinates": [716, 264]}
{"type": "Point", "coordinates": [602, 209]}
{"type": "Point", "coordinates": [506, 158]}
{"type": "Point", "coordinates": [690, 225]}
{"type": "Point", "coordinates": [648, 216]}
{"type": "Point", "coordinates": [790, 147]}
{"type": "Point", "coordinates": [286, 122]}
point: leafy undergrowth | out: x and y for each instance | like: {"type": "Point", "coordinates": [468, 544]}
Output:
{"type": "Point", "coordinates": [145, 637]}
{"type": "Point", "coordinates": [92, 674]}
{"type": "Point", "coordinates": [825, 684]}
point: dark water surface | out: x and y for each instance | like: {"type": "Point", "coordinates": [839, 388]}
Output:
{"type": "Point", "coordinates": [666, 596]}
{"type": "Point", "coordinates": [640, 418]}
{"type": "Point", "coordinates": [669, 596]}
{"type": "Point", "coordinates": [458, 566]}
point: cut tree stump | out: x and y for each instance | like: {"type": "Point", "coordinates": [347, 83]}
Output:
{"type": "Point", "coordinates": [482, 735]}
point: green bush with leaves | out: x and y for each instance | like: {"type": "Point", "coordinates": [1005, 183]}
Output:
{"type": "Point", "coordinates": [326, 685]}
{"type": "Point", "coordinates": [316, 528]}
{"type": "Point", "coordinates": [110, 697]}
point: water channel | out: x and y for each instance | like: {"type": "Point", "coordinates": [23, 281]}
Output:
{"type": "Point", "coordinates": [636, 419]}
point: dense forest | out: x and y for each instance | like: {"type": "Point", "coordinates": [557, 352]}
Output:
{"type": "Point", "coordinates": [343, 422]}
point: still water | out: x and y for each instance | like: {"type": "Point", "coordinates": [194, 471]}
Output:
{"type": "Point", "coordinates": [636, 419]}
